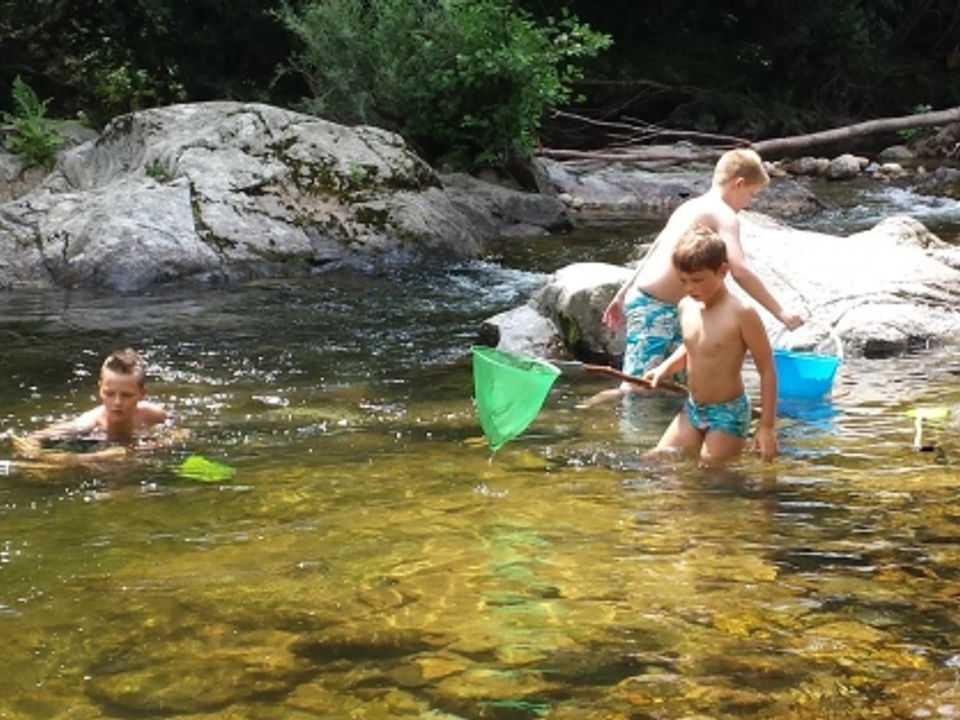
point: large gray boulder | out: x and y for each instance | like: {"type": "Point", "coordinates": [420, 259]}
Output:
{"type": "Point", "coordinates": [632, 190]}
{"type": "Point", "coordinates": [225, 190]}
{"type": "Point", "coordinates": [882, 292]}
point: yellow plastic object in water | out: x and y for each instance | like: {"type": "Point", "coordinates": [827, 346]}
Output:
{"type": "Point", "coordinates": [919, 414]}
{"type": "Point", "coordinates": [197, 467]}
{"type": "Point", "coordinates": [509, 389]}
{"type": "Point", "coordinates": [929, 413]}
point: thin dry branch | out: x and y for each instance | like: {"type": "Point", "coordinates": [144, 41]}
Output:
{"type": "Point", "coordinates": [770, 149]}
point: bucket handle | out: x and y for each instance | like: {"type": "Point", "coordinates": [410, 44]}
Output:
{"type": "Point", "coordinates": [831, 332]}
{"type": "Point", "coordinates": [835, 336]}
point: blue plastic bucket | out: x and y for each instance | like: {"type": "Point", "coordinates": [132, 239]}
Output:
{"type": "Point", "coordinates": [804, 374]}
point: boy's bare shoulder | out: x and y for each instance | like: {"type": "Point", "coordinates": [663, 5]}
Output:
{"type": "Point", "coordinates": [736, 309]}
{"type": "Point", "coordinates": [149, 413]}
{"type": "Point", "coordinates": [90, 420]}
{"type": "Point", "coordinates": [747, 313]}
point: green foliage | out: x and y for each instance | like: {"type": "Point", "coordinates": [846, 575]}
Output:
{"type": "Point", "coordinates": [767, 68]}
{"type": "Point", "coordinates": [468, 81]}
{"type": "Point", "coordinates": [107, 57]}
{"type": "Point", "coordinates": [910, 133]}
{"type": "Point", "coordinates": [35, 142]}
{"type": "Point", "coordinates": [157, 171]}
{"type": "Point", "coordinates": [474, 80]}
{"type": "Point", "coordinates": [121, 89]}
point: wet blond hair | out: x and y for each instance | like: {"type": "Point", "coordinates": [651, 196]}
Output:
{"type": "Point", "coordinates": [127, 362]}
{"type": "Point", "coordinates": [699, 248]}
{"type": "Point", "coordinates": [743, 163]}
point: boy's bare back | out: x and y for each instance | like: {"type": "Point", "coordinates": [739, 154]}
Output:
{"type": "Point", "coordinates": [658, 276]}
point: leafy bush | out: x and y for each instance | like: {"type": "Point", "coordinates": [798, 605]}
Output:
{"type": "Point", "coordinates": [909, 134]}
{"type": "Point", "coordinates": [466, 81]}
{"type": "Point", "coordinates": [34, 141]}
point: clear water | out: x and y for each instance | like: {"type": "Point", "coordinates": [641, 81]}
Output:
{"type": "Point", "coordinates": [859, 204]}
{"type": "Point", "coordinates": [371, 559]}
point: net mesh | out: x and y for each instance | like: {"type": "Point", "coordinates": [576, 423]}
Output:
{"type": "Point", "coordinates": [509, 390]}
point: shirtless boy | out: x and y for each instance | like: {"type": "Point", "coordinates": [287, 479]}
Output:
{"type": "Point", "coordinates": [648, 300]}
{"type": "Point", "coordinates": [123, 412]}
{"type": "Point", "coordinates": [718, 330]}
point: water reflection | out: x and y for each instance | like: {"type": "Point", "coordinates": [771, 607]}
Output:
{"type": "Point", "coordinates": [370, 557]}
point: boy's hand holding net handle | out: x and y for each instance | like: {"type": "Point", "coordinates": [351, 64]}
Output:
{"type": "Point", "coordinates": [612, 372]}
{"type": "Point", "coordinates": [665, 384]}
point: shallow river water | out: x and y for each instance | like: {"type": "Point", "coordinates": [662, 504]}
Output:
{"type": "Point", "coordinates": [370, 558]}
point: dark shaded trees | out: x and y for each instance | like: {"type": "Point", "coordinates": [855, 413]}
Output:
{"type": "Point", "coordinates": [755, 68]}
{"type": "Point", "coordinates": [111, 56]}
{"type": "Point", "coordinates": [770, 67]}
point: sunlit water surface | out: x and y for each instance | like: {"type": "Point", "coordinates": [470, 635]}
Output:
{"type": "Point", "coordinates": [370, 558]}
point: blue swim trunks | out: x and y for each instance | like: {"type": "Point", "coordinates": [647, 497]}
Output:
{"type": "Point", "coordinates": [653, 333]}
{"type": "Point", "coordinates": [731, 417]}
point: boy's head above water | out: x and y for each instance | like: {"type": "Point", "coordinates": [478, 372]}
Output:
{"type": "Point", "coordinates": [126, 362]}
{"type": "Point", "coordinates": [122, 410]}
{"type": "Point", "coordinates": [700, 259]}
{"type": "Point", "coordinates": [123, 379]}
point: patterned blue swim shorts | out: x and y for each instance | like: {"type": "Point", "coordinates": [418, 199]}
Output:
{"type": "Point", "coordinates": [731, 417]}
{"type": "Point", "coordinates": [653, 333]}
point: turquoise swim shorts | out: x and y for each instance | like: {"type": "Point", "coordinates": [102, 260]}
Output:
{"type": "Point", "coordinates": [653, 333]}
{"type": "Point", "coordinates": [731, 417]}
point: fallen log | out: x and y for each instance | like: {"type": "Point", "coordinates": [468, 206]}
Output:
{"type": "Point", "coordinates": [780, 147]}
{"type": "Point", "coordinates": [772, 149]}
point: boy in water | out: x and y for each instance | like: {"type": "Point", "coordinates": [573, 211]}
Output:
{"type": "Point", "coordinates": [648, 299]}
{"type": "Point", "coordinates": [123, 412]}
{"type": "Point", "coordinates": [718, 330]}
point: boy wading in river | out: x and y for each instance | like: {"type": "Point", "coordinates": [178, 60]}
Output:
{"type": "Point", "coordinates": [718, 331]}
{"type": "Point", "coordinates": [647, 301]}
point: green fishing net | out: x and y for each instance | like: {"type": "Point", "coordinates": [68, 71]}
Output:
{"type": "Point", "coordinates": [197, 467]}
{"type": "Point", "coordinates": [509, 389]}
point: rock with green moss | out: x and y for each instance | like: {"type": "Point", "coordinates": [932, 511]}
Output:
{"type": "Point", "coordinates": [228, 191]}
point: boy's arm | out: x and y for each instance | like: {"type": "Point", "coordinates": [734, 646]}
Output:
{"type": "Point", "coordinates": [758, 345]}
{"type": "Point", "coordinates": [79, 424]}
{"type": "Point", "coordinates": [613, 315]}
{"type": "Point", "coordinates": [676, 362]}
{"type": "Point", "coordinates": [749, 280]}
{"type": "Point", "coordinates": [151, 413]}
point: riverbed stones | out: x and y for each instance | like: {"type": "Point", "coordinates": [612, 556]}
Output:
{"type": "Point", "coordinates": [844, 166]}
{"type": "Point", "coordinates": [200, 672]}
{"type": "Point", "coordinates": [570, 300]}
{"type": "Point", "coordinates": [522, 329]}
{"type": "Point", "coordinates": [895, 154]}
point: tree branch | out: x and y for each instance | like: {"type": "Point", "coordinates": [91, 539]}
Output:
{"type": "Point", "coordinates": [771, 149]}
